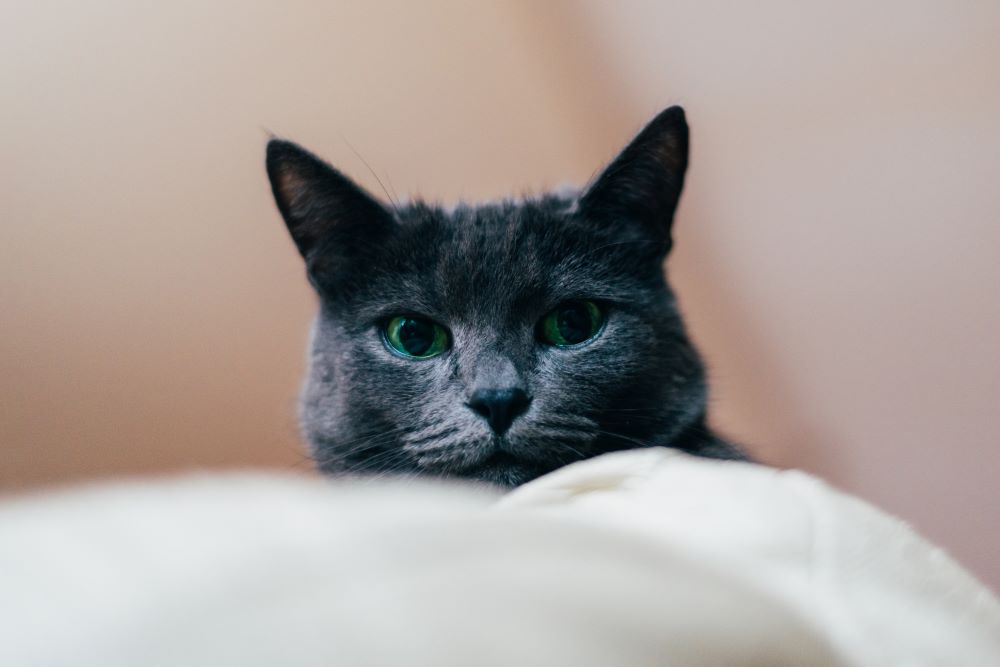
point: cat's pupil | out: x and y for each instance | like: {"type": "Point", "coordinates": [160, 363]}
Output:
{"type": "Point", "coordinates": [416, 336]}
{"type": "Point", "coordinates": [574, 323]}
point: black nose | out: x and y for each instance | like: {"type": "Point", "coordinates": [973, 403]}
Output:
{"type": "Point", "coordinates": [499, 407]}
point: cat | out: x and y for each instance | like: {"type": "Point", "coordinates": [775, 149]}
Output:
{"type": "Point", "coordinates": [496, 342]}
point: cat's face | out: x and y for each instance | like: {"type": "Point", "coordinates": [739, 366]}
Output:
{"type": "Point", "coordinates": [494, 342]}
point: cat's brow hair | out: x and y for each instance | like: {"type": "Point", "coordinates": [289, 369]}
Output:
{"type": "Point", "coordinates": [409, 289]}
{"type": "Point", "coordinates": [392, 200]}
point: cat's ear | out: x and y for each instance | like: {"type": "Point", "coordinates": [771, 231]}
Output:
{"type": "Point", "coordinates": [643, 184]}
{"type": "Point", "coordinates": [327, 214]}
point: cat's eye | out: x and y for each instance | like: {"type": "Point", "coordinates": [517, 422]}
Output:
{"type": "Point", "coordinates": [571, 323]}
{"type": "Point", "coordinates": [415, 337]}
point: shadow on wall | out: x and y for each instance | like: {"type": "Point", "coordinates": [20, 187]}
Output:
{"type": "Point", "coordinates": [729, 338]}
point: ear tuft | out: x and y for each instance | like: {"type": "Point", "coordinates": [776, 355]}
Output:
{"type": "Point", "coordinates": [643, 184]}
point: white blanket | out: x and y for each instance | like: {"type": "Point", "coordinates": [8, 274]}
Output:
{"type": "Point", "coordinates": [646, 557]}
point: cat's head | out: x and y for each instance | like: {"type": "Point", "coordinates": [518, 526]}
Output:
{"type": "Point", "coordinates": [498, 341]}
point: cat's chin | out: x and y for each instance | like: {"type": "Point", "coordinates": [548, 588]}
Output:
{"type": "Point", "coordinates": [502, 469]}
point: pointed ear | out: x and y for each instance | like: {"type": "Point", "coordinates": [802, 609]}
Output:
{"type": "Point", "coordinates": [643, 184]}
{"type": "Point", "coordinates": [327, 215]}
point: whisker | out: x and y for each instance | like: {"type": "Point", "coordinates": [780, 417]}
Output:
{"type": "Point", "coordinates": [572, 449]}
{"type": "Point", "coordinates": [357, 446]}
{"type": "Point", "coordinates": [428, 437]}
{"type": "Point", "coordinates": [373, 461]}
{"type": "Point", "coordinates": [581, 423]}
{"type": "Point", "coordinates": [390, 456]}
{"type": "Point", "coordinates": [637, 443]}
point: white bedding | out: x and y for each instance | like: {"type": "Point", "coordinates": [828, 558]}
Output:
{"type": "Point", "coordinates": [646, 557]}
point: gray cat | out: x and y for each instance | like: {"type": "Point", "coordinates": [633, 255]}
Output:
{"type": "Point", "coordinates": [496, 342]}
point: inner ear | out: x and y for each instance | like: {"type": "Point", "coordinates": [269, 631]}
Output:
{"type": "Point", "coordinates": [643, 184]}
{"type": "Point", "coordinates": [322, 208]}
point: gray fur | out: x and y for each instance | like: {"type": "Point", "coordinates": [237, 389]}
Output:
{"type": "Point", "coordinates": [489, 273]}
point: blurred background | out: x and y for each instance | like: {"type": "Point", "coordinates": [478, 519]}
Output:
{"type": "Point", "coordinates": [837, 245]}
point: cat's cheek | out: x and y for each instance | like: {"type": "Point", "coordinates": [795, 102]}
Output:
{"type": "Point", "coordinates": [412, 385]}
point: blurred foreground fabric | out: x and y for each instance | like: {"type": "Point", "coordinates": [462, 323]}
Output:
{"type": "Point", "coordinates": [645, 557]}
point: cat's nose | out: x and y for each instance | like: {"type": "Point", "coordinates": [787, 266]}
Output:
{"type": "Point", "coordinates": [499, 407]}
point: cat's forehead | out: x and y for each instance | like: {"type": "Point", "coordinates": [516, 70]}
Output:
{"type": "Point", "coordinates": [496, 259]}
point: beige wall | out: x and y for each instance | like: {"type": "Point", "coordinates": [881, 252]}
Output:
{"type": "Point", "coordinates": [837, 246]}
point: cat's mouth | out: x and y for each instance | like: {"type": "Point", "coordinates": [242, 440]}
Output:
{"type": "Point", "coordinates": [503, 469]}
{"type": "Point", "coordinates": [499, 460]}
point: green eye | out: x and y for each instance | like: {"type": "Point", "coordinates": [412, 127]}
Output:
{"type": "Point", "coordinates": [571, 323]}
{"type": "Point", "coordinates": [415, 337]}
